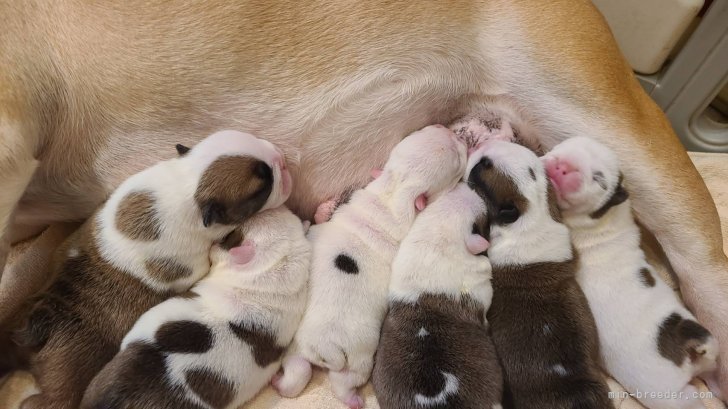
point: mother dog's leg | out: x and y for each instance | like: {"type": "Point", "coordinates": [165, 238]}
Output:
{"type": "Point", "coordinates": [562, 64]}
{"type": "Point", "coordinates": [17, 166]}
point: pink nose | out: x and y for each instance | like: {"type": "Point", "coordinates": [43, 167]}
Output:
{"type": "Point", "coordinates": [564, 175]}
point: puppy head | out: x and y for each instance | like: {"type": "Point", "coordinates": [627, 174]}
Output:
{"type": "Point", "coordinates": [513, 183]}
{"type": "Point", "coordinates": [457, 217]}
{"type": "Point", "coordinates": [428, 161]}
{"type": "Point", "coordinates": [586, 177]}
{"type": "Point", "coordinates": [240, 175]}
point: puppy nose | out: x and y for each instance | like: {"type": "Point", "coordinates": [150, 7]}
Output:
{"type": "Point", "coordinates": [563, 168]}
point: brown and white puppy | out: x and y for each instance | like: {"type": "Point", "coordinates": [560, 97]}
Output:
{"type": "Point", "coordinates": [649, 341]}
{"type": "Point", "coordinates": [435, 349]}
{"type": "Point", "coordinates": [149, 241]}
{"type": "Point", "coordinates": [540, 320]}
{"type": "Point", "coordinates": [92, 93]}
{"type": "Point", "coordinates": [220, 343]}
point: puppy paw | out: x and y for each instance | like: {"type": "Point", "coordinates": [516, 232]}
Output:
{"type": "Point", "coordinates": [296, 375]}
{"type": "Point", "coordinates": [325, 211]}
{"type": "Point", "coordinates": [355, 402]}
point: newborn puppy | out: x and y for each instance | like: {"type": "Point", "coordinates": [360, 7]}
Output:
{"type": "Point", "coordinates": [649, 341]}
{"type": "Point", "coordinates": [540, 321]}
{"type": "Point", "coordinates": [435, 349]}
{"type": "Point", "coordinates": [149, 241]}
{"type": "Point", "coordinates": [351, 263]}
{"type": "Point", "coordinates": [220, 343]}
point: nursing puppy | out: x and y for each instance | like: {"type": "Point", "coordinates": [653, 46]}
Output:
{"type": "Point", "coordinates": [540, 321]}
{"type": "Point", "coordinates": [149, 241]}
{"type": "Point", "coordinates": [435, 349]}
{"type": "Point", "coordinates": [351, 264]}
{"type": "Point", "coordinates": [649, 341]}
{"type": "Point", "coordinates": [221, 343]}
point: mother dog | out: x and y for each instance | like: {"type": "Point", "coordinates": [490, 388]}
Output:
{"type": "Point", "coordinates": [92, 92]}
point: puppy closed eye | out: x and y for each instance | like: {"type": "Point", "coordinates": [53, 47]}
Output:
{"type": "Point", "coordinates": [600, 179]}
{"type": "Point", "coordinates": [508, 213]}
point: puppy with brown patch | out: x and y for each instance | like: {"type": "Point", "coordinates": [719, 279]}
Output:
{"type": "Point", "coordinates": [649, 341]}
{"type": "Point", "coordinates": [149, 241]}
{"type": "Point", "coordinates": [540, 321]}
{"type": "Point", "coordinates": [435, 349]}
{"type": "Point", "coordinates": [219, 344]}
{"type": "Point", "coordinates": [351, 264]}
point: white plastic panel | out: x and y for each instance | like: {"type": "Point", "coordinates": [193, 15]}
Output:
{"type": "Point", "coordinates": [647, 30]}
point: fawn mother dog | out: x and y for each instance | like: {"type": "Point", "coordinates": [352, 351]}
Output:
{"type": "Point", "coordinates": [92, 92]}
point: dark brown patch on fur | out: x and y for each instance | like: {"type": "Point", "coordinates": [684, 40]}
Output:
{"type": "Point", "coordinates": [69, 325]}
{"type": "Point", "coordinates": [212, 388]}
{"type": "Point", "coordinates": [181, 149]}
{"type": "Point", "coordinates": [646, 277]}
{"type": "Point", "coordinates": [455, 341]}
{"type": "Point", "coordinates": [498, 190]}
{"type": "Point", "coordinates": [234, 239]}
{"type": "Point", "coordinates": [618, 197]}
{"type": "Point", "coordinates": [135, 378]}
{"type": "Point", "coordinates": [136, 217]}
{"type": "Point", "coordinates": [525, 300]}
{"type": "Point", "coordinates": [679, 338]}
{"type": "Point", "coordinates": [186, 337]}
{"type": "Point", "coordinates": [261, 341]}
{"type": "Point", "coordinates": [188, 295]}
{"type": "Point", "coordinates": [345, 263]}
{"type": "Point", "coordinates": [232, 189]}
{"type": "Point", "coordinates": [554, 210]}
{"type": "Point", "coordinates": [532, 174]}
{"type": "Point", "coordinates": [167, 269]}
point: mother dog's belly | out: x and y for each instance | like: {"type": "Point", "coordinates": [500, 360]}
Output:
{"type": "Point", "coordinates": [329, 148]}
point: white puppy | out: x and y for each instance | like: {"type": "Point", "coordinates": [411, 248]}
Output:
{"type": "Point", "coordinates": [351, 263]}
{"type": "Point", "coordinates": [221, 343]}
{"type": "Point", "coordinates": [649, 342]}
{"type": "Point", "coordinates": [149, 241]}
{"type": "Point", "coordinates": [435, 349]}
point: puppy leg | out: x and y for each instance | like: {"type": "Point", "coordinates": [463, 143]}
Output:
{"type": "Point", "coordinates": [344, 384]}
{"type": "Point", "coordinates": [32, 270]}
{"type": "Point", "coordinates": [296, 375]}
{"type": "Point", "coordinates": [64, 367]}
{"type": "Point", "coordinates": [17, 166]}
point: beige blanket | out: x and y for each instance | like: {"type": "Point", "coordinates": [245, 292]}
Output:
{"type": "Point", "coordinates": [713, 168]}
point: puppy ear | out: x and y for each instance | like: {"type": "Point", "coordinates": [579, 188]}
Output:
{"type": "Point", "coordinates": [181, 149]}
{"type": "Point", "coordinates": [421, 202]}
{"type": "Point", "coordinates": [618, 197]}
{"type": "Point", "coordinates": [213, 212]}
{"type": "Point", "coordinates": [243, 253]}
{"type": "Point", "coordinates": [476, 244]}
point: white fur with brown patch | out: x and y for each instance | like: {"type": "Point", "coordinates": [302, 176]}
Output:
{"type": "Point", "coordinates": [340, 330]}
{"type": "Point", "coordinates": [173, 184]}
{"type": "Point", "coordinates": [629, 309]}
{"type": "Point", "coordinates": [97, 96]}
{"type": "Point", "coordinates": [266, 291]}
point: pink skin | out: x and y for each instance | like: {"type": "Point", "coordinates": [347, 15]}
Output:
{"type": "Point", "coordinates": [286, 178]}
{"type": "Point", "coordinates": [476, 244]}
{"type": "Point", "coordinates": [421, 202]}
{"type": "Point", "coordinates": [243, 253]}
{"type": "Point", "coordinates": [324, 211]}
{"type": "Point", "coordinates": [355, 402]}
{"type": "Point", "coordinates": [564, 176]}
